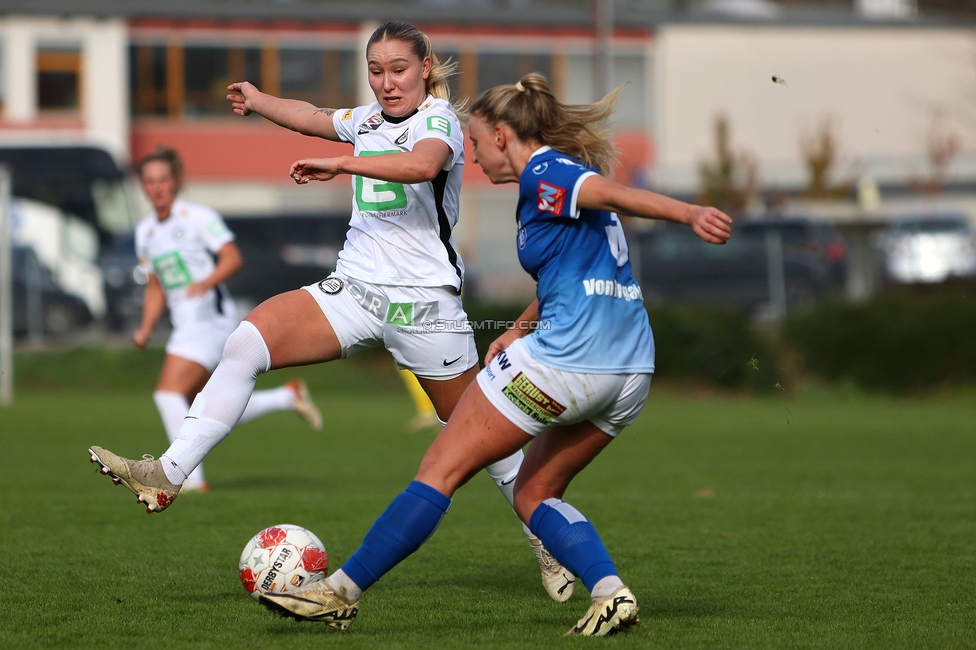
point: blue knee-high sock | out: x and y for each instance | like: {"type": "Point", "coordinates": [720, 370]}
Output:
{"type": "Point", "coordinates": [406, 523]}
{"type": "Point", "coordinates": [572, 540]}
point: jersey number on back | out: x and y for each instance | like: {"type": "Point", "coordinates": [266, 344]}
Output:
{"type": "Point", "coordinates": [374, 195]}
{"type": "Point", "coordinates": [617, 240]}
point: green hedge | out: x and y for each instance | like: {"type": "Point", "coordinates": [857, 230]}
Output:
{"type": "Point", "coordinates": [698, 344]}
{"type": "Point", "coordinates": [901, 341]}
{"type": "Point", "coordinates": [711, 345]}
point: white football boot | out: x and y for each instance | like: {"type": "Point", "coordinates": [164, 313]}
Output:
{"type": "Point", "coordinates": [316, 601]}
{"type": "Point", "coordinates": [304, 407]}
{"type": "Point", "coordinates": [608, 616]}
{"type": "Point", "coordinates": [556, 578]}
{"type": "Point", "coordinates": [144, 478]}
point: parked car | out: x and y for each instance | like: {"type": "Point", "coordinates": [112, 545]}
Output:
{"type": "Point", "coordinates": [124, 282]}
{"type": "Point", "coordinates": [816, 243]}
{"type": "Point", "coordinates": [675, 265]}
{"type": "Point", "coordinates": [36, 296]}
{"type": "Point", "coordinates": [83, 180]}
{"type": "Point", "coordinates": [280, 254]}
{"type": "Point", "coordinates": [929, 249]}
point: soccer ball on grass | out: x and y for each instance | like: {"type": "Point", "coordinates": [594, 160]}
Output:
{"type": "Point", "coordinates": [281, 558]}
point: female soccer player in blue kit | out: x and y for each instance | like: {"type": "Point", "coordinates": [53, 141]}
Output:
{"type": "Point", "coordinates": [566, 389]}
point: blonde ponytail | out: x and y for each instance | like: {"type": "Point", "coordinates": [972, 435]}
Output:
{"type": "Point", "coordinates": [532, 110]}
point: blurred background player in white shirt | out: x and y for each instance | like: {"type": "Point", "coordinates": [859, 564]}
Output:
{"type": "Point", "coordinates": [176, 245]}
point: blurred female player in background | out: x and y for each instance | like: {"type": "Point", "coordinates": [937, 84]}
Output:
{"type": "Point", "coordinates": [398, 279]}
{"type": "Point", "coordinates": [567, 389]}
{"type": "Point", "coordinates": [176, 245]}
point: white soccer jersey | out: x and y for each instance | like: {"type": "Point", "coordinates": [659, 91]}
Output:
{"type": "Point", "coordinates": [401, 234]}
{"type": "Point", "coordinates": [180, 251]}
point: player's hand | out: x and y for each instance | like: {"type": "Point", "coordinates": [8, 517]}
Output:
{"type": "Point", "coordinates": [196, 289]}
{"type": "Point", "coordinates": [238, 96]}
{"type": "Point", "coordinates": [314, 169]}
{"type": "Point", "coordinates": [711, 224]}
{"type": "Point", "coordinates": [140, 337]}
{"type": "Point", "coordinates": [502, 342]}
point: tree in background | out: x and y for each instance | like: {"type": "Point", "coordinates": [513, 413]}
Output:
{"type": "Point", "coordinates": [819, 149]}
{"type": "Point", "coordinates": [730, 181]}
{"type": "Point", "coordinates": [942, 145]}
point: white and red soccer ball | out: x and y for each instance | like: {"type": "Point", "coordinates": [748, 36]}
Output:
{"type": "Point", "coordinates": [281, 558]}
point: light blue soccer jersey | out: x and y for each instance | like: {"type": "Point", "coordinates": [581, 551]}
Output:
{"type": "Point", "coordinates": [592, 316]}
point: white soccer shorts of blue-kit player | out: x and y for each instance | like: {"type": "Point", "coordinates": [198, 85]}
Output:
{"type": "Point", "coordinates": [180, 251]}
{"type": "Point", "coordinates": [398, 278]}
{"type": "Point", "coordinates": [535, 397]}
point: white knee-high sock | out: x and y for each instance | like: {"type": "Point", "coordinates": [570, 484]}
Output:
{"type": "Point", "coordinates": [172, 408]}
{"type": "Point", "coordinates": [263, 402]}
{"type": "Point", "coordinates": [220, 404]}
{"type": "Point", "coordinates": [504, 473]}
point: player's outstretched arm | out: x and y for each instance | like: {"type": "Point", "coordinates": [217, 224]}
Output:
{"type": "Point", "coordinates": [229, 262]}
{"type": "Point", "coordinates": [599, 193]}
{"type": "Point", "coordinates": [290, 113]}
{"type": "Point", "coordinates": [153, 306]}
{"type": "Point", "coordinates": [420, 165]}
{"type": "Point", "coordinates": [522, 327]}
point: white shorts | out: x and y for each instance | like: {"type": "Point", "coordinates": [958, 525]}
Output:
{"type": "Point", "coordinates": [535, 397]}
{"type": "Point", "coordinates": [202, 341]}
{"type": "Point", "coordinates": [424, 328]}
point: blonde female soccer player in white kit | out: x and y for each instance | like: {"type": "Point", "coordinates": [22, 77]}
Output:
{"type": "Point", "coordinates": [177, 244]}
{"type": "Point", "coordinates": [398, 279]}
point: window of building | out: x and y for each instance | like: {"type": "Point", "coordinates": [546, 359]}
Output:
{"type": "Point", "coordinates": [3, 81]}
{"type": "Point", "coordinates": [317, 76]}
{"type": "Point", "coordinates": [207, 71]}
{"type": "Point", "coordinates": [188, 81]}
{"type": "Point", "coordinates": [147, 79]}
{"type": "Point", "coordinates": [59, 78]}
{"type": "Point", "coordinates": [497, 68]}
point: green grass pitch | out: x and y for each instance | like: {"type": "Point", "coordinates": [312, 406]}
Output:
{"type": "Point", "coordinates": [813, 521]}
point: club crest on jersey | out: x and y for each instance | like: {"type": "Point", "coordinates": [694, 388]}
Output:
{"type": "Point", "coordinates": [371, 124]}
{"type": "Point", "coordinates": [331, 285]}
{"type": "Point", "coordinates": [551, 197]}
{"type": "Point", "coordinates": [403, 137]}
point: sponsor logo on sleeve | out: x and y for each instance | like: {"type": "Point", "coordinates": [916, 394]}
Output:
{"type": "Point", "coordinates": [535, 403]}
{"type": "Point", "coordinates": [217, 228]}
{"type": "Point", "coordinates": [439, 124]}
{"type": "Point", "coordinates": [521, 238]}
{"type": "Point", "coordinates": [346, 115]}
{"type": "Point", "coordinates": [373, 123]}
{"type": "Point", "coordinates": [541, 167]}
{"type": "Point", "coordinates": [551, 197]}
